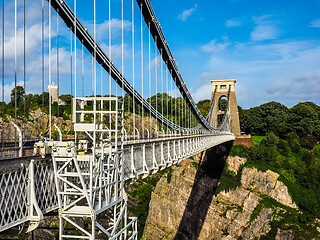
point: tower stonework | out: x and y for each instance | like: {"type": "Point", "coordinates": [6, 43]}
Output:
{"type": "Point", "coordinates": [222, 90]}
{"type": "Point", "coordinates": [54, 92]}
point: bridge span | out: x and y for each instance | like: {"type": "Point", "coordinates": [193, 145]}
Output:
{"type": "Point", "coordinates": [84, 178]}
{"type": "Point", "coordinates": [33, 177]}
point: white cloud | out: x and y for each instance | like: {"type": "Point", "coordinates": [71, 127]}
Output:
{"type": "Point", "coordinates": [315, 23]}
{"type": "Point", "coordinates": [265, 29]}
{"type": "Point", "coordinates": [34, 50]}
{"type": "Point", "coordinates": [187, 13]}
{"type": "Point", "coordinates": [233, 23]}
{"type": "Point", "coordinates": [174, 93]}
{"type": "Point", "coordinates": [286, 71]}
{"type": "Point", "coordinates": [33, 40]}
{"type": "Point", "coordinates": [116, 25]}
{"type": "Point", "coordinates": [116, 51]}
{"type": "Point", "coordinates": [296, 87]}
{"type": "Point", "coordinates": [202, 92]}
{"type": "Point", "coordinates": [261, 33]}
{"type": "Point", "coordinates": [7, 90]}
{"type": "Point", "coordinates": [155, 62]}
{"type": "Point", "coordinates": [208, 76]}
{"type": "Point", "coordinates": [214, 46]}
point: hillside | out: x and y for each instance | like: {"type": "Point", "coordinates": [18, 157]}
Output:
{"type": "Point", "coordinates": [259, 207]}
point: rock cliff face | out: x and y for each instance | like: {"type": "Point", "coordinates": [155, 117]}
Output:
{"type": "Point", "coordinates": [186, 208]}
{"type": "Point", "coordinates": [266, 183]}
{"type": "Point", "coordinates": [35, 124]}
{"type": "Point", "coordinates": [39, 121]}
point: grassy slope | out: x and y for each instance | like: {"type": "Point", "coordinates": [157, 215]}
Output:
{"type": "Point", "coordinates": [258, 139]}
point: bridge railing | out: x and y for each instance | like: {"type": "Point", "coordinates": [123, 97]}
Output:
{"type": "Point", "coordinates": [14, 152]}
{"type": "Point", "coordinates": [27, 191]}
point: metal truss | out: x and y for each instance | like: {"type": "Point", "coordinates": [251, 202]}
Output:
{"type": "Point", "coordinates": [89, 174]}
{"type": "Point", "coordinates": [27, 192]}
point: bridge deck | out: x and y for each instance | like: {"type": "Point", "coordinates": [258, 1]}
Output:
{"type": "Point", "coordinates": [140, 158]}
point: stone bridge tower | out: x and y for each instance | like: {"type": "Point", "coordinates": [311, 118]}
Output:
{"type": "Point", "coordinates": [220, 89]}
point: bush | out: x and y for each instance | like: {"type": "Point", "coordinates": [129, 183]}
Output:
{"type": "Point", "coordinates": [308, 142]}
{"type": "Point", "coordinates": [229, 180]}
{"type": "Point", "coordinates": [169, 175]}
{"type": "Point", "coordinates": [239, 150]}
{"type": "Point", "coordinates": [299, 169]}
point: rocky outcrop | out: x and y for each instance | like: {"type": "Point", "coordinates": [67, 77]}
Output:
{"type": "Point", "coordinates": [235, 162]}
{"type": "Point", "coordinates": [260, 226]}
{"type": "Point", "coordinates": [35, 124]}
{"type": "Point", "coordinates": [284, 234]}
{"type": "Point", "coordinates": [266, 183]}
{"type": "Point", "coordinates": [228, 215]}
{"type": "Point", "coordinates": [38, 121]}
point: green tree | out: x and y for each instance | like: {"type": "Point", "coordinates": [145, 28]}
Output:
{"type": "Point", "coordinates": [20, 95]}
{"type": "Point", "coordinates": [204, 106]}
{"type": "Point", "coordinates": [304, 119]}
{"type": "Point", "coordinates": [67, 98]}
{"type": "Point", "coordinates": [223, 104]}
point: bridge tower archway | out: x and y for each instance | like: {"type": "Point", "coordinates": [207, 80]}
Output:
{"type": "Point", "coordinates": [220, 90]}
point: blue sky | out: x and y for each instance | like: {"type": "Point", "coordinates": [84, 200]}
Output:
{"type": "Point", "coordinates": [271, 47]}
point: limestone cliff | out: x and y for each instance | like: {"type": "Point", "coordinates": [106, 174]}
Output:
{"type": "Point", "coordinates": [39, 121]}
{"type": "Point", "coordinates": [187, 208]}
{"type": "Point", "coordinates": [35, 124]}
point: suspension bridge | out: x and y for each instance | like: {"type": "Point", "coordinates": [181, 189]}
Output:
{"type": "Point", "coordinates": [131, 116]}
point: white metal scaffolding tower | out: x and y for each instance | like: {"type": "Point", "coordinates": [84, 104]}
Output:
{"type": "Point", "coordinates": [89, 173]}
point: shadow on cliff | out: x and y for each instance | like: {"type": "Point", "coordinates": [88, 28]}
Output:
{"type": "Point", "coordinates": [205, 183]}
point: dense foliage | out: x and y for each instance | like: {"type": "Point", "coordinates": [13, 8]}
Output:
{"type": "Point", "coordinates": [298, 167]}
{"type": "Point", "coordinates": [27, 102]}
{"type": "Point", "coordinates": [303, 119]}
{"type": "Point", "coordinates": [140, 191]}
{"type": "Point", "coordinates": [204, 106]}
{"type": "Point", "coordinates": [175, 109]}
